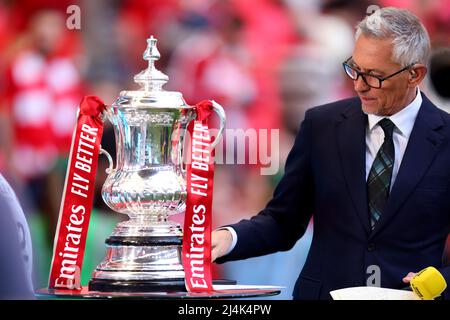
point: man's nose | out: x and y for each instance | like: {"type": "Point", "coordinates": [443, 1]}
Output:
{"type": "Point", "coordinates": [360, 85]}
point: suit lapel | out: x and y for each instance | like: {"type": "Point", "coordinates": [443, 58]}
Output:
{"type": "Point", "coordinates": [352, 149]}
{"type": "Point", "coordinates": [422, 146]}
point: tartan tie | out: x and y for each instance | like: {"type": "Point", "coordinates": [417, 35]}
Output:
{"type": "Point", "coordinates": [379, 180]}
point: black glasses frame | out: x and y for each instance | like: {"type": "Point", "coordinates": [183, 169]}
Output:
{"type": "Point", "coordinates": [363, 74]}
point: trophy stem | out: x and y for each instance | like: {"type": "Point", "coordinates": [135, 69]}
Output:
{"type": "Point", "coordinates": [137, 226]}
{"type": "Point", "coordinates": [142, 219]}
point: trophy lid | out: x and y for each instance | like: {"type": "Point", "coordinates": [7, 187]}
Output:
{"type": "Point", "coordinates": [151, 81]}
{"type": "Point", "coordinates": [151, 78]}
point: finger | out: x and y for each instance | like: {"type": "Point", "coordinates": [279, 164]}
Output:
{"type": "Point", "coordinates": [214, 239]}
{"type": "Point", "coordinates": [213, 255]}
{"type": "Point", "coordinates": [408, 277]}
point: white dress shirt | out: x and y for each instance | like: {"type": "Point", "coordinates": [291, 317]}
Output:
{"type": "Point", "coordinates": [404, 123]}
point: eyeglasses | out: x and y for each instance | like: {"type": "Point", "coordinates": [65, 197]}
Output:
{"type": "Point", "coordinates": [371, 80]}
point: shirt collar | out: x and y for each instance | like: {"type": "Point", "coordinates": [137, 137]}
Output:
{"type": "Point", "coordinates": [404, 119]}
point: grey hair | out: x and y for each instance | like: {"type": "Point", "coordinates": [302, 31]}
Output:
{"type": "Point", "coordinates": [411, 42]}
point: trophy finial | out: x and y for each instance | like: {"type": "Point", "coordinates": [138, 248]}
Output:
{"type": "Point", "coordinates": [151, 78]}
{"type": "Point", "coordinates": [151, 53]}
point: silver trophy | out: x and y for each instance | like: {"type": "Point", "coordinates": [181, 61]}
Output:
{"type": "Point", "coordinates": [148, 184]}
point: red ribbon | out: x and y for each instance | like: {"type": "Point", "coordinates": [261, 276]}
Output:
{"type": "Point", "coordinates": [77, 200]}
{"type": "Point", "coordinates": [196, 249]}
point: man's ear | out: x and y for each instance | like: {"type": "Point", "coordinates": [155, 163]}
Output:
{"type": "Point", "coordinates": [416, 75]}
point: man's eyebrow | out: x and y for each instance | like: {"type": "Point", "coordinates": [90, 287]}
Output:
{"type": "Point", "coordinates": [369, 70]}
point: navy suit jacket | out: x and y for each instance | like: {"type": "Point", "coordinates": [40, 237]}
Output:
{"type": "Point", "coordinates": [325, 177]}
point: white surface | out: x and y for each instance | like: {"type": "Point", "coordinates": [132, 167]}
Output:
{"type": "Point", "coordinates": [372, 293]}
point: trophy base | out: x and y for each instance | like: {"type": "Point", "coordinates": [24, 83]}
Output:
{"type": "Point", "coordinates": [165, 285]}
{"type": "Point", "coordinates": [174, 285]}
{"type": "Point", "coordinates": [140, 264]}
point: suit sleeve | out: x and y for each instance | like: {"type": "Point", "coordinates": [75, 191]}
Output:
{"type": "Point", "coordinates": [285, 218]}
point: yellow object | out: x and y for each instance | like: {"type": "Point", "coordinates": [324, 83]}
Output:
{"type": "Point", "coordinates": [428, 283]}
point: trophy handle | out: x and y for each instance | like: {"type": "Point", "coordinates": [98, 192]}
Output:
{"type": "Point", "coordinates": [218, 109]}
{"type": "Point", "coordinates": [110, 160]}
{"type": "Point", "coordinates": [180, 157]}
{"type": "Point", "coordinates": [110, 168]}
{"type": "Point", "coordinates": [222, 117]}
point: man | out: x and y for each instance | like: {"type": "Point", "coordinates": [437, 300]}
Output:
{"type": "Point", "coordinates": [373, 171]}
{"type": "Point", "coordinates": [15, 247]}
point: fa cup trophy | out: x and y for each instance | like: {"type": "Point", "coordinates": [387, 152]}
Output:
{"type": "Point", "coordinates": [148, 184]}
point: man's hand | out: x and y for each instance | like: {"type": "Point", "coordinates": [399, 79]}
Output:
{"type": "Point", "coordinates": [221, 241]}
{"type": "Point", "coordinates": [409, 277]}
